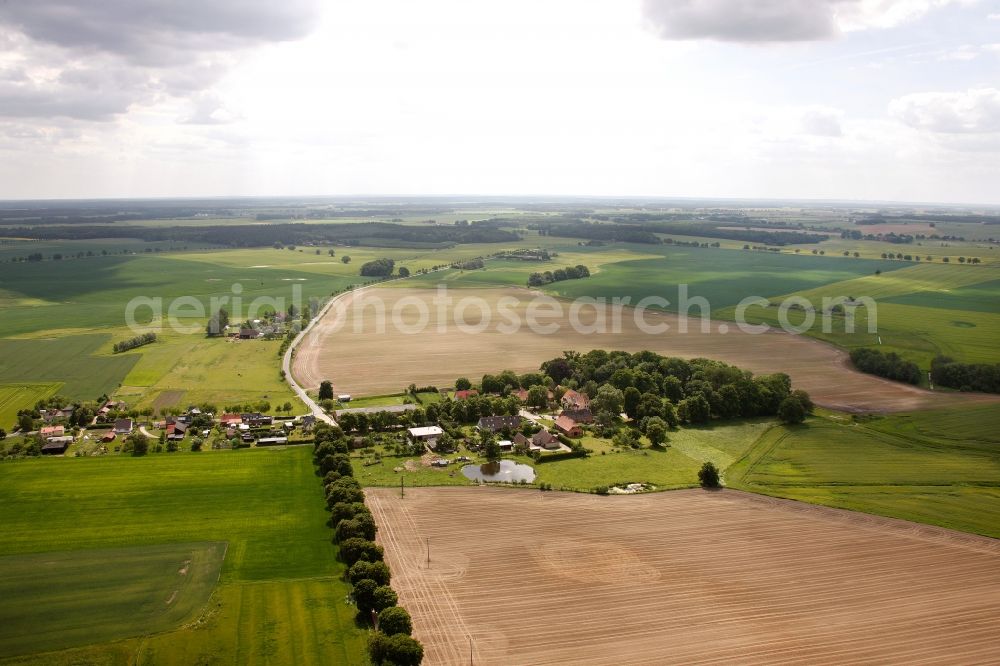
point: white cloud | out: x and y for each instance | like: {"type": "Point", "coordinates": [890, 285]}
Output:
{"type": "Point", "coordinates": [779, 20]}
{"type": "Point", "coordinates": [975, 111]}
{"type": "Point", "coordinates": [821, 121]}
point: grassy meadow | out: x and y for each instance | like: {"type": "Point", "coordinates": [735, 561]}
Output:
{"type": "Point", "coordinates": [79, 598]}
{"type": "Point", "coordinates": [15, 397]}
{"type": "Point", "coordinates": [941, 468]}
{"type": "Point", "coordinates": [279, 581]}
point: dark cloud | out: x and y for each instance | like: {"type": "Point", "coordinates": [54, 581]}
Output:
{"type": "Point", "coordinates": [94, 60]}
{"type": "Point", "coordinates": [742, 20]}
{"type": "Point", "coordinates": [160, 32]}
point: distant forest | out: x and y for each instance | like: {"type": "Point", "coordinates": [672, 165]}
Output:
{"type": "Point", "coordinates": [262, 235]}
{"type": "Point", "coordinates": [647, 232]}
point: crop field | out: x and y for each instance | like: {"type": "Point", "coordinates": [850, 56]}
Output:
{"type": "Point", "coordinates": [280, 579]}
{"type": "Point", "coordinates": [203, 370]}
{"type": "Point", "coordinates": [722, 277]}
{"type": "Point", "coordinates": [15, 397]}
{"type": "Point", "coordinates": [688, 576]}
{"type": "Point", "coordinates": [70, 360]}
{"type": "Point", "coordinates": [68, 598]}
{"type": "Point", "coordinates": [359, 357]}
{"type": "Point", "coordinates": [922, 311]}
{"type": "Point", "coordinates": [941, 468]}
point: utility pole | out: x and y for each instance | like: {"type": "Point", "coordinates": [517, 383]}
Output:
{"type": "Point", "coordinates": [470, 650]}
{"type": "Point", "coordinates": [401, 494]}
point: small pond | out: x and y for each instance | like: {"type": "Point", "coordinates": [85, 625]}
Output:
{"type": "Point", "coordinates": [505, 471]}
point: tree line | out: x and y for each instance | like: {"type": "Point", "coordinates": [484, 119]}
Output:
{"type": "Point", "coordinates": [982, 377]}
{"type": "Point", "coordinates": [885, 364]}
{"type": "Point", "coordinates": [558, 275]}
{"type": "Point", "coordinates": [390, 641]}
{"type": "Point", "coordinates": [132, 343]}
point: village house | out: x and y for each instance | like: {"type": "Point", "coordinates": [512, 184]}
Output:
{"type": "Point", "coordinates": [176, 431]}
{"type": "Point", "coordinates": [573, 400]}
{"type": "Point", "coordinates": [568, 427]}
{"type": "Point", "coordinates": [541, 440]}
{"type": "Point", "coordinates": [466, 394]}
{"type": "Point", "coordinates": [52, 431]}
{"type": "Point", "coordinates": [428, 435]}
{"type": "Point", "coordinates": [522, 395]}
{"type": "Point", "coordinates": [124, 426]}
{"type": "Point", "coordinates": [248, 334]}
{"type": "Point", "coordinates": [256, 419]}
{"type": "Point", "coordinates": [56, 446]}
{"type": "Point", "coordinates": [230, 420]}
{"type": "Point", "coordinates": [498, 423]}
{"type": "Point", "coordinates": [272, 441]}
{"type": "Point", "coordinates": [109, 436]}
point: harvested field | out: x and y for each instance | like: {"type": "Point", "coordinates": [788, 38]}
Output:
{"type": "Point", "coordinates": [682, 577]}
{"type": "Point", "coordinates": [350, 348]}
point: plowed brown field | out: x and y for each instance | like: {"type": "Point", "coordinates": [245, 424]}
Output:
{"type": "Point", "coordinates": [683, 577]}
{"type": "Point", "coordinates": [350, 349]}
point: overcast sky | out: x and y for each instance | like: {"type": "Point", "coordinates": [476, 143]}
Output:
{"type": "Point", "coordinates": [848, 99]}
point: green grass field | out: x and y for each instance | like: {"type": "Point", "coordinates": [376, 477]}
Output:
{"type": "Point", "coordinates": [15, 397]}
{"type": "Point", "coordinates": [280, 580]}
{"type": "Point", "coordinates": [64, 599]}
{"type": "Point", "coordinates": [71, 360]}
{"type": "Point", "coordinates": [922, 311]}
{"type": "Point", "coordinates": [937, 468]}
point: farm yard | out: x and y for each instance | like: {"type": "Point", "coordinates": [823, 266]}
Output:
{"type": "Point", "coordinates": [360, 358]}
{"type": "Point", "coordinates": [682, 577]}
{"type": "Point", "coordinates": [130, 524]}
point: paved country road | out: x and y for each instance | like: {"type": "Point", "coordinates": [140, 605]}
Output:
{"type": "Point", "coordinates": [286, 361]}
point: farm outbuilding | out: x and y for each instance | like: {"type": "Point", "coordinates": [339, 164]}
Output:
{"type": "Point", "coordinates": [427, 434]}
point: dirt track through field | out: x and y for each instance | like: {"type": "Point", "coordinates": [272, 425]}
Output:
{"type": "Point", "coordinates": [682, 577]}
{"type": "Point", "coordinates": [349, 349]}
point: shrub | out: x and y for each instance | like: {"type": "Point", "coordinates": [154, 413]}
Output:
{"type": "Point", "coordinates": [395, 620]}
{"type": "Point", "coordinates": [383, 597]}
{"type": "Point", "coordinates": [355, 549]}
{"type": "Point", "coordinates": [376, 571]}
{"type": "Point", "coordinates": [358, 527]}
{"type": "Point", "coordinates": [396, 650]}
{"type": "Point", "coordinates": [708, 476]}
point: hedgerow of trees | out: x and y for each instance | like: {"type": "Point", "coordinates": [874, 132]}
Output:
{"type": "Point", "coordinates": [389, 642]}
{"type": "Point", "coordinates": [132, 343]}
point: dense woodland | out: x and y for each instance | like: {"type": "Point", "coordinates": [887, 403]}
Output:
{"type": "Point", "coordinates": [263, 235]}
